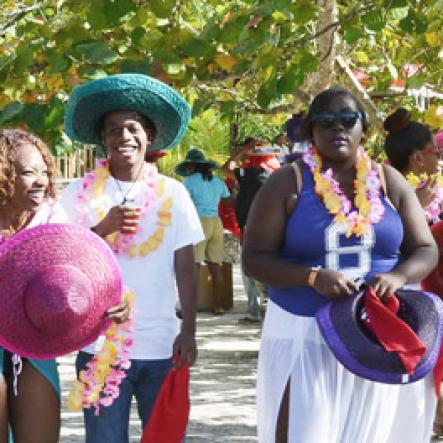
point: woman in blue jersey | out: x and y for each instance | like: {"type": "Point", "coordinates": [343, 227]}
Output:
{"type": "Point", "coordinates": [317, 243]}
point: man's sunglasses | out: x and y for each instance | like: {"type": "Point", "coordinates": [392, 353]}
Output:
{"type": "Point", "coordinates": [346, 119]}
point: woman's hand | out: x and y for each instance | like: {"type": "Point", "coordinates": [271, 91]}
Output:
{"type": "Point", "coordinates": [333, 284]}
{"type": "Point", "coordinates": [112, 222]}
{"type": "Point", "coordinates": [386, 284]}
{"type": "Point", "coordinates": [427, 193]}
{"type": "Point", "coordinates": [119, 313]}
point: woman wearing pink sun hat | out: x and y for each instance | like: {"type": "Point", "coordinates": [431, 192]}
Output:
{"type": "Point", "coordinates": [38, 283]}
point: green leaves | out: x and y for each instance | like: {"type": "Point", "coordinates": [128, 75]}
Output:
{"type": "Point", "coordinates": [10, 111]}
{"type": "Point", "coordinates": [414, 22]}
{"type": "Point", "coordinates": [162, 8]}
{"type": "Point", "coordinates": [140, 66]}
{"type": "Point", "coordinates": [23, 60]}
{"type": "Point", "coordinates": [57, 62]}
{"type": "Point", "coordinates": [108, 13]}
{"type": "Point", "coordinates": [197, 47]}
{"type": "Point", "coordinates": [291, 80]}
{"type": "Point", "coordinates": [97, 52]}
{"type": "Point", "coordinates": [374, 20]}
{"type": "Point", "coordinates": [352, 34]}
{"type": "Point", "coordinates": [267, 92]}
{"type": "Point", "coordinates": [258, 51]}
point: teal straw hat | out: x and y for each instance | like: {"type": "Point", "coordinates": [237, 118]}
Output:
{"type": "Point", "coordinates": [194, 156]}
{"type": "Point", "coordinates": [149, 97]}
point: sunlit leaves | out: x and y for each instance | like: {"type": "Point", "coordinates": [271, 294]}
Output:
{"type": "Point", "coordinates": [258, 52]}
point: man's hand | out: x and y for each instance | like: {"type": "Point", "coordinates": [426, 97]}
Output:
{"type": "Point", "coordinates": [113, 220]}
{"type": "Point", "coordinates": [185, 349]}
{"type": "Point", "coordinates": [119, 313]}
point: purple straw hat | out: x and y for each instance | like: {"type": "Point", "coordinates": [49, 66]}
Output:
{"type": "Point", "coordinates": [358, 350]}
{"type": "Point", "coordinates": [56, 283]}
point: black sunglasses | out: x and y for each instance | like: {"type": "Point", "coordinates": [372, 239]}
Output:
{"type": "Point", "coordinates": [328, 120]}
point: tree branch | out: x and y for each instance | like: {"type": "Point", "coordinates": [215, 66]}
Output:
{"type": "Point", "coordinates": [18, 15]}
{"type": "Point", "coordinates": [371, 108]}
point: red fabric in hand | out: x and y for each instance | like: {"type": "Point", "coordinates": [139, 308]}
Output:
{"type": "Point", "coordinates": [169, 417]}
{"type": "Point", "coordinates": [394, 334]}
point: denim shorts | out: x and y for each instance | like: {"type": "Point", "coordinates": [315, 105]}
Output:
{"type": "Point", "coordinates": [144, 380]}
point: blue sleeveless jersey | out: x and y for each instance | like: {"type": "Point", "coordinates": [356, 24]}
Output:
{"type": "Point", "coordinates": [312, 238]}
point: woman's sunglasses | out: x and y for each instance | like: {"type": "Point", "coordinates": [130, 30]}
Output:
{"type": "Point", "coordinates": [328, 120]}
{"type": "Point", "coordinates": [438, 152]}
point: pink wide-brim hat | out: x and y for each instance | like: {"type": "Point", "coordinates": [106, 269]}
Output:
{"type": "Point", "coordinates": [56, 283]}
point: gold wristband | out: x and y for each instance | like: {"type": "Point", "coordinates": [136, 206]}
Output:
{"type": "Point", "coordinates": [312, 276]}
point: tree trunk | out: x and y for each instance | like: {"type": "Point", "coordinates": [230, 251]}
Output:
{"type": "Point", "coordinates": [327, 43]}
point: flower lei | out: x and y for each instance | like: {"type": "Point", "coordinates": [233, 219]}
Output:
{"type": "Point", "coordinates": [367, 186]}
{"type": "Point", "coordinates": [432, 211]}
{"type": "Point", "coordinates": [153, 188]}
{"type": "Point", "coordinates": [98, 385]}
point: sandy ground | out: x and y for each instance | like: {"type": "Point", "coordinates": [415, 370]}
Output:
{"type": "Point", "coordinates": [222, 382]}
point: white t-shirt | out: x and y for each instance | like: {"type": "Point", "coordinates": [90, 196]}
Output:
{"type": "Point", "coordinates": [151, 278]}
{"type": "Point", "coordinates": [49, 212]}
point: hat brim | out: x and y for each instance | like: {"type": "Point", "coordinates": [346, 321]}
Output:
{"type": "Point", "coordinates": [149, 97]}
{"type": "Point", "coordinates": [363, 356]}
{"type": "Point", "coordinates": [181, 168]}
{"type": "Point", "coordinates": [34, 250]}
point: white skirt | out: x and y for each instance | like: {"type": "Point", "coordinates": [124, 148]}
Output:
{"type": "Point", "coordinates": [327, 403]}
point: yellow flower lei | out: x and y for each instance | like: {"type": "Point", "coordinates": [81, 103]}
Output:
{"type": "Point", "coordinates": [101, 174]}
{"type": "Point", "coordinates": [357, 222]}
{"type": "Point", "coordinates": [416, 180]}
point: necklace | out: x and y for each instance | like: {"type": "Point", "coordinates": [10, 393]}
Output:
{"type": "Point", "coordinates": [369, 208]}
{"type": "Point", "coordinates": [153, 188]}
{"type": "Point", "coordinates": [124, 195]}
{"type": "Point", "coordinates": [433, 210]}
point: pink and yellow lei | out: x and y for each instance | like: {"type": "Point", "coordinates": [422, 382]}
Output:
{"type": "Point", "coordinates": [369, 207]}
{"type": "Point", "coordinates": [153, 187]}
{"type": "Point", "coordinates": [433, 210]}
{"type": "Point", "coordinates": [98, 385]}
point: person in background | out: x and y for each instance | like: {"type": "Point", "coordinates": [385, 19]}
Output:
{"type": "Point", "coordinates": [250, 167]}
{"type": "Point", "coordinates": [206, 191]}
{"type": "Point", "coordinates": [439, 139]}
{"type": "Point", "coordinates": [412, 150]}
{"type": "Point", "coordinates": [154, 156]}
{"type": "Point", "coordinates": [27, 200]}
{"type": "Point", "coordinates": [330, 222]}
{"type": "Point", "coordinates": [297, 144]}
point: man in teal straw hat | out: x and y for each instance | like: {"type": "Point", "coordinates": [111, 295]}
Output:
{"type": "Point", "coordinates": [206, 191]}
{"type": "Point", "coordinates": [150, 223]}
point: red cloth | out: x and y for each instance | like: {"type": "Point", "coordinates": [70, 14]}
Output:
{"type": "Point", "coordinates": [169, 417]}
{"type": "Point", "coordinates": [434, 281]}
{"type": "Point", "coordinates": [394, 334]}
{"type": "Point", "coordinates": [438, 373]}
{"type": "Point", "coordinates": [226, 212]}
{"type": "Point", "coordinates": [227, 216]}
{"type": "Point", "coordinates": [265, 161]}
